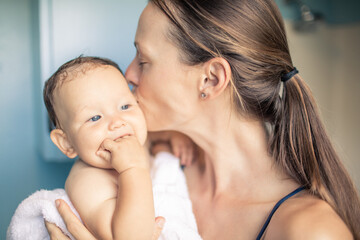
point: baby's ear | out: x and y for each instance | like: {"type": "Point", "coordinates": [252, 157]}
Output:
{"type": "Point", "coordinates": [60, 139]}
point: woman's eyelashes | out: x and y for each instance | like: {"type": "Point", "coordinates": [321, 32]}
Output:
{"type": "Point", "coordinates": [139, 59]}
{"type": "Point", "coordinates": [141, 63]}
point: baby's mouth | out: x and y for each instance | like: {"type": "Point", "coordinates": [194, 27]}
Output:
{"type": "Point", "coordinates": [101, 148]}
{"type": "Point", "coordinates": [122, 136]}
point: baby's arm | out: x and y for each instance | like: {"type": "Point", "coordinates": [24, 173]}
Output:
{"type": "Point", "coordinates": [134, 211]}
{"type": "Point", "coordinates": [177, 143]}
{"type": "Point", "coordinates": [115, 204]}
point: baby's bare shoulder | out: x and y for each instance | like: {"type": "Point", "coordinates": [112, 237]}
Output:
{"type": "Point", "coordinates": [85, 179]}
{"type": "Point", "coordinates": [307, 217]}
{"type": "Point", "coordinates": [82, 170]}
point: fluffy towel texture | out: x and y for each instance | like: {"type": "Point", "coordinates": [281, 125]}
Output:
{"type": "Point", "coordinates": [171, 200]}
{"type": "Point", "coordinates": [28, 220]}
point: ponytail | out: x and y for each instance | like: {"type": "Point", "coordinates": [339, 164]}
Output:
{"type": "Point", "coordinates": [301, 146]}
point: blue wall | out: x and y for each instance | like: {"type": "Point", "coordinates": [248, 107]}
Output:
{"type": "Point", "coordinates": [22, 170]}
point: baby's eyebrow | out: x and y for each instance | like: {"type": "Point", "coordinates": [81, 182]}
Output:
{"type": "Point", "coordinates": [82, 108]}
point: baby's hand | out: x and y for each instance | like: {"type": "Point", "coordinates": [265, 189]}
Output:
{"type": "Point", "coordinates": [183, 148]}
{"type": "Point", "coordinates": [126, 153]}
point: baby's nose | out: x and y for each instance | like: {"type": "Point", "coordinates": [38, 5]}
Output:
{"type": "Point", "coordinates": [117, 122]}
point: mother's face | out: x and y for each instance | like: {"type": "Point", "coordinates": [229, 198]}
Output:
{"type": "Point", "coordinates": [166, 89]}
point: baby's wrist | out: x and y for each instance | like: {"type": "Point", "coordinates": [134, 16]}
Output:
{"type": "Point", "coordinates": [134, 167]}
{"type": "Point", "coordinates": [134, 171]}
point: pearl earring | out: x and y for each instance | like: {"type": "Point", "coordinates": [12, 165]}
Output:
{"type": "Point", "coordinates": [203, 95]}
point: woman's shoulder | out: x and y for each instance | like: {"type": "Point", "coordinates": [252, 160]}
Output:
{"type": "Point", "coordinates": [307, 217]}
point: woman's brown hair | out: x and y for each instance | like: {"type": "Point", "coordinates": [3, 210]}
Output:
{"type": "Point", "coordinates": [250, 35]}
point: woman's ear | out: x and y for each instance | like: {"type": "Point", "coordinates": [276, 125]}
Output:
{"type": "Point", "coordinates": [60, 139]}
{"type": "Point", "coordinates": [216, 78]}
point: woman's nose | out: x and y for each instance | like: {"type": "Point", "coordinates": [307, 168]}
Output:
{"type": "Point", "coordinates": [131, 74]}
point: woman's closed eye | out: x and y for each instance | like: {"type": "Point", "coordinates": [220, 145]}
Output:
{"type": "Point", "coordinates": [140, 60]}
{"type": "Point", "coordinates": [95, 118]}
{"type": "Point", "coordinates": [141, 63]}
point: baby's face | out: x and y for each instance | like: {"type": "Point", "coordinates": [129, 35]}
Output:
{"type": "Point", "coordinates": [95, 106]}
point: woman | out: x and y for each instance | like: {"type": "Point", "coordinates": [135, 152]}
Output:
{"type": "Point", "coordinates": [221, 72]}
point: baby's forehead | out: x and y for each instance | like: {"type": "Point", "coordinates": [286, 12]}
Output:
{"type": "Point", "coordinates": [77, 71]}
{"type": "Point", "coordinates": [92, 71]}
{"type": "Point", "coordinates": [71, 74]}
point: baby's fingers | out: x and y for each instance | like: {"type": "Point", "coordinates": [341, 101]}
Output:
{"type": "Point", "coordinates": [191, 154]}
{"type": "Point", "coordinates": [187, 156]}
{"type": "Point", "coordinates": [104, 154]}
{"type": "Point", "coordinates": [176, 148]}
{"type": "Point", "coordinates": [183, 155]}
{"type": "Point", "coordinates": [108, 145]}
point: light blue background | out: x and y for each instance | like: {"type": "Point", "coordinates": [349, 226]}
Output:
{"type": "Point", "coordinates": [23, 168]}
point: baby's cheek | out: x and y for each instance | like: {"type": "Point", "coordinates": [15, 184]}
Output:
{"type": "Point", "coordinates": [141, 132]}
{"type": "Point", "coordinates": [90, 143]}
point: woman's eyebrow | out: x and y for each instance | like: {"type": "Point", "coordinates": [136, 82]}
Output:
{"type": "Point", "coordinates": [137, 46]}
{"type": "Point", "coordinates": [140, 49]}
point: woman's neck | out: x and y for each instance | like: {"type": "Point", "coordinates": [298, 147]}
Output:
{"type": "Point", "coordinates": [236, 160]}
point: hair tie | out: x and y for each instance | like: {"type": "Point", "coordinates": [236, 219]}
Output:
{"type": "Point", "coordinates": [287, 76]}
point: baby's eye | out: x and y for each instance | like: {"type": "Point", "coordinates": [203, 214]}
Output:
{"type": "Point", "coordinates": [95, 118]}
{"type": "Point", "coordinates": [125, 107]}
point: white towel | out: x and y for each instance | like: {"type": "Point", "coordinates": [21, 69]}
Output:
{"type": "Point", "coordinates": [171, 200]}
{"type": "Point", "coordinates": [28, 220]}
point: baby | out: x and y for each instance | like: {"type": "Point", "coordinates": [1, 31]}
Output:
{"type": "Point", "coordinates": [98, 119]}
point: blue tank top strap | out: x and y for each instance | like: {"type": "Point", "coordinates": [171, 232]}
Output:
{"type": "Point", "coordinates": [277, 205]}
